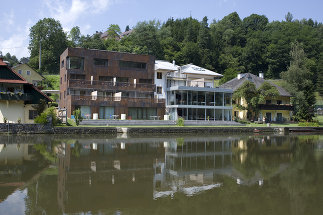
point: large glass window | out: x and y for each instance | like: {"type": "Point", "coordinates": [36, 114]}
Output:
{"type": "Point", "coordinates": [209, 98]}
{"type": "Point", "coordinates": [105, 78]}
{"type": "Point", "coordinates": [145, 81]}
{"type": "Point", "coordinates": [218, 99]}
{"type": "Point", "coordinates": [77, 76]}
{"type": "Point", "coordinates": [122, 79]}
{"type": "Point", "coordinates": [100, 62]}
{"type": "Point", "coordinates": [75, 63]}
{"type": "Point", "coordinates": [131, 65]}
{"type": "Point", "coordinates": [227, 99]}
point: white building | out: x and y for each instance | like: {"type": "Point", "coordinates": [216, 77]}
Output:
{"type": "Point", "coordinates": [190, 92]}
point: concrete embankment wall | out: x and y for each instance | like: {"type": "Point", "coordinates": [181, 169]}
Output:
{"type": "Point", "coordinates": [133, 131]}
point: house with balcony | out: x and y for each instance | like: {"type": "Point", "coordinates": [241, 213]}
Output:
{"type": "Point", "coordinates": [28, 73]}
{"type": "Point", "coordinates": [106, 84]}
{"type": "Point", "coordinates": [278, 109]}
{"type": "Point", "coordinates": [190, 92]}
{"type": "Point", "coordinates": [17, 97]}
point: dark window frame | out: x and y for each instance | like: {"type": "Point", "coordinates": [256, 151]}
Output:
{"type": "Point", "coordinates": [159, 75]}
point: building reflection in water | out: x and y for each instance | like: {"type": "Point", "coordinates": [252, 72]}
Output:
{"type": "Point", "coordinates": [116, 169]}
{"type": "Point", "coordinates": [109, 174]}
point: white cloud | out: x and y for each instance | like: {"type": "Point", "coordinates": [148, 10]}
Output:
{"type": "Point", "coordinates": [17, 44]}
{"type": "Point", "coordinates": [70, 12]}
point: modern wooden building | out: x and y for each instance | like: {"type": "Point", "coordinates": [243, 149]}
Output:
{"type": "Point", "coordinates": [106, 84]}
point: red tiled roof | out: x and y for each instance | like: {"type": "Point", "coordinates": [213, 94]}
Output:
{"type": "Point", "coordinates": [13, 81]}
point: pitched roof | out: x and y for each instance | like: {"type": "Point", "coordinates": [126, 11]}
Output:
{"type": "Point", "coordinates": [21, 64]}
{"type": "Point", "coordinates": [196, 70]}
{"type": "Point", "coordinates": [235, 83]}
{"type": "Point", "coordinates": [19, 81]}
{"type": "Point", "coordinates": [165, 65]}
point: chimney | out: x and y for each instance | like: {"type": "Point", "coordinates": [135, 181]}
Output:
{"type": "Point", "coordinates": [239, 76]}
{"type": "Point", "coordinates": [261, 74]}
{"type": "Point", "coordinates": [173, 62]}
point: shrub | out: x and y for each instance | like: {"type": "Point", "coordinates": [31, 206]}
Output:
{"type": "Point", "coordinates": [314, 123]}
{"type": "Point", "coordinates": [180, 121]}
{"type": "Point", "coordinates": [43, 117]}
{"type": "Point", "coordinates": [78, 117]}
{"type": "Point", "coordinates": [19, 120]}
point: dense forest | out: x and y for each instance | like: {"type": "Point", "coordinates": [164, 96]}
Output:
{"type": "Point", "coordinates": [228, 46]}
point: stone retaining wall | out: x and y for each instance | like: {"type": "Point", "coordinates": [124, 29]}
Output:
{"type": "Point", "coordinates": [133, 131]}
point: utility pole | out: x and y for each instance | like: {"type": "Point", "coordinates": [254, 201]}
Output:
{"type": "Point", "coordinates": [39, 55]}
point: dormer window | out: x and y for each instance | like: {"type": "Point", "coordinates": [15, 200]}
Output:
{"type": "Point", "coordinates": [20, 72]}
{"type": "Point", "coordinates": [28, 72]}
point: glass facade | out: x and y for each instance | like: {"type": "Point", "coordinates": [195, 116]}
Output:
{"type": "Point", "coordinates": [199, 105]}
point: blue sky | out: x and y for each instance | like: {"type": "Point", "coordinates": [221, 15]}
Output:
{"type": "Point", "coordinates": [96, 15]}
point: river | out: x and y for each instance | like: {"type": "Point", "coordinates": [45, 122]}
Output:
{"type": "Point", "coordinates": [221, 174]}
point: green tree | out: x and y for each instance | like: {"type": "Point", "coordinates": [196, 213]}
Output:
{"type": "Point", "coordinates": [319, 82]}
{"type": "Point", "coordinates": [299, 83]}
{"type": "Point", "coordinates": [48, 33]}
{"type": "Point", "coordinates": [114, 31]}
{"type": "Point", "coordinates": [74, 36]}
{"type": "Point", "coordinates": [92, 42]}
{"type": "Point", "coordinates": [12, 59]}
{"type": "Point", "coordinates": [254, 97]}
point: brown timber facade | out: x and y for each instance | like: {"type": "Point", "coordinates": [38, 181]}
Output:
{"type": "Point", "coordinates": [107, 84]}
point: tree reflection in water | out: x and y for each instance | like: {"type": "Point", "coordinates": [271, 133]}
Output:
{"type": "Point", "coordinates": [187, 175]}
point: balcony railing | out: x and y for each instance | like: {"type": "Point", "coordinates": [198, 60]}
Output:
{"type": "Point", "coordinates": [114, 99]}
{"type": "Point", "coordinates": [275, 107]}
{"type": "Point", "coordinates": [83, 84]}
{"type": "Point", "coordinates": [176, 75]}
{"type": "Point", "coordinates": [204, 84]}
{"type": "Point", "coordinates": [15, 96]}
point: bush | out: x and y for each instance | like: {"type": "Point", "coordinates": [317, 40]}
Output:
{"type": "Point", "coordinates": [78, 116]}
{"type": "Point", "coordinates": [314, 123]}
{"type": "Point", "coordinates": [43, 117]}
{"type": "Point", "coordinates": [180, 121]}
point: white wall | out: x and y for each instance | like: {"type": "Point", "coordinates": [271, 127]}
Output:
{"type": "Point", "coordinates": [161, 83]}
{"type": "Point", "coordinates": [12, 110]}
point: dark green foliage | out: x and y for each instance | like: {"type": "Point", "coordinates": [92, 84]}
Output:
{"type": "Point", "coordinates": [254, 97]}
{"type": "Point", "coordinates": [50, 34]}
{"type": "Point", "coordinates": [40, 107]}
{"type": "Point", "coordinates": [12, 59]}
{"type": "Point", "coordinates": [299, 82]}
{"type": "Point", "coordinates": [43, 117]}
{"type": "Point", "coordinates": [78, 116]}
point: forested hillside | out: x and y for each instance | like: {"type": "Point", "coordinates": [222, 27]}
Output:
{"type": "Point", "coordinates": [228, 46]}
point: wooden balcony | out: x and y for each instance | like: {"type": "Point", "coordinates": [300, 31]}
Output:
{"type": "Point", "coordinates": [276, 107]}
{"type": "Point", "coordinates": [110, 85]}
{"type": "Point", "coordinates": [15, 96]}
{"type": "Point", "coordinates": [117, 101]}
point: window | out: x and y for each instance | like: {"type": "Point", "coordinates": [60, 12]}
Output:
{"type": "Point", "coordinates": [65, 78]}
{"type": "Point", "coordinates": [159, 75]}
{"type": "Point", "coordinates": [131, 65]}
{"type": "Point", "coordinates": [122, 79]}
{"type": "Point", "coordinates": [62, 64]}
{"type": "Point", "coordinates": [159, 90]}
{"type": "Point", "coordinates": [75, 63]}
{"type": "Point", "coordinates": [106, 78]}
{"type": "Point", "coordinates": [145, 81]}
{"type": "Point", "coordinates": [32, 114]}
{"type": "Point", "coordinates": [28, 72]}
{"type": "Point", "coordinates": [20, 72]}
{"type": "Point", "coordinates": [268, 102]}
{"type": "Point", "coordinates": [77, 76]}
{"type": "Point", "coordinates": [279, 102]}
{"type": "Point", "coordinates": [61, 80]}
{"type": "Point", "coordinates": [100, 62]}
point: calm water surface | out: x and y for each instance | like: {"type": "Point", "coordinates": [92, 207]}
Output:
{"type": "Point", "coordinates": [223, 174]}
